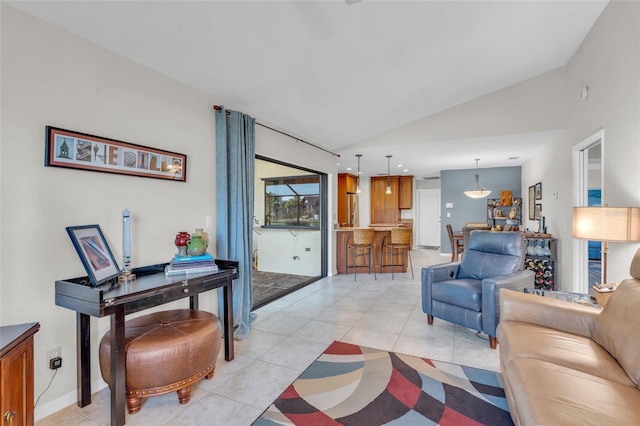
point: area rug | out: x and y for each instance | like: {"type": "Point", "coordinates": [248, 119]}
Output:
{"type": "Point", "coordinates": [355, 385]}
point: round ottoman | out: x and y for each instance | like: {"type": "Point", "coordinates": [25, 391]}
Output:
{"type": "Point", "coordinates": [164, 352]}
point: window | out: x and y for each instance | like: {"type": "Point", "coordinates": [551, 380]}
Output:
{"type": "Point", "coordinates": [292, 202]}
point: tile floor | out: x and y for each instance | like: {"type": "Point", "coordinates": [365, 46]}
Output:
{"type": "Point", "coordinates": [290, 333]}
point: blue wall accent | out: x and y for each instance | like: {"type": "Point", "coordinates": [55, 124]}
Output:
{"type": "Point", "coordinates": [453, 183]}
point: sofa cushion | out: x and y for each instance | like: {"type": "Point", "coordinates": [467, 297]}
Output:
{"type": "Point", "coordinates": [466, 293]}
{"type": "Point", "coordinates": [617, 328]}
{"type": "Point", "coordinates": [547, 394]}
{"type": "Point", "coordinates": [524, 340]}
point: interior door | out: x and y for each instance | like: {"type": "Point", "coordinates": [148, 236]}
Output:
{"type": "Point", "coordinates": [429, 217]}
{"type": "Point", "coordinates": [588, 180]}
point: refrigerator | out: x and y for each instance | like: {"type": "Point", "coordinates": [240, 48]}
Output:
{"type": "Point", "coordinates": [353, 212]}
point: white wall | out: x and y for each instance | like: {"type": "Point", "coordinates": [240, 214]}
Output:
{"type": "Point", "coordinates": [50, 77]}
{"type": "Point", "coordinates": [608, 62]}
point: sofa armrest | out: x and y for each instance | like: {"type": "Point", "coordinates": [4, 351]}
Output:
{"type": "Point", "coordinates": [547, 312]}
{"type": "Point", "coordinates": [517, 281]}
{"type": "Point", "coordinates": [433, 274]}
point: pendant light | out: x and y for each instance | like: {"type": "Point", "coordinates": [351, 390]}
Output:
{"type": "Point", "coordinates": [478, 191]}
{"type": "Point", "coordinates": [388, 192]}
{"type": "Point", "coordinates": [358, 190]}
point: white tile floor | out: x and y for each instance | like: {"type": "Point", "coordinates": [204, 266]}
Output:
{"type": "Point", "coordinates": [292, 332]}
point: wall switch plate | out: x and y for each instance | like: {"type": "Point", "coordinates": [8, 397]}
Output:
{"type": "Point", "coordinates": [448, 205]}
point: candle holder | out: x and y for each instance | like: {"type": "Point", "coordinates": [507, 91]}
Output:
{"type": "Point", "coordinates": [126, 274]}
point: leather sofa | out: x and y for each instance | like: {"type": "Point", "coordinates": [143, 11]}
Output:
{"type": "Point", "coordinates": [567, 364]}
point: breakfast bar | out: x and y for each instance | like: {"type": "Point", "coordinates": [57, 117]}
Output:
{"type": "Point", "coordinates": [381, 231]}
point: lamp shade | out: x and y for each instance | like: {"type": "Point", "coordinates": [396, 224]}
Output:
{"type": "Point", "coordinates": [613, 224]}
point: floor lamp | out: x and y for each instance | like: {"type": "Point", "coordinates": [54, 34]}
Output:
{"type": "Point", "coordinates": [607, 224]}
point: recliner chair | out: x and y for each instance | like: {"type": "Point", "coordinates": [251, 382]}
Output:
{"type": "Point", "coordinates": [466, 293]}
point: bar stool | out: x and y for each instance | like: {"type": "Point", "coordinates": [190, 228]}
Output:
{"type": "Point", "coordinates": [400, 239]}
{"type": "Point", "coordinates": [362, 239]}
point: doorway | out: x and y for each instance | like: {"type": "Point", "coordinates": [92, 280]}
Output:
{"type": "Point", "coordinates": [588, 190]}
{"type": "Point", "coordinates": [429, 217]}
{"type": "Point", "coordinates": [289, 229]}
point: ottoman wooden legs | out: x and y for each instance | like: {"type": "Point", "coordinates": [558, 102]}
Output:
{"type": "Point", "coordinates": [165, 352]}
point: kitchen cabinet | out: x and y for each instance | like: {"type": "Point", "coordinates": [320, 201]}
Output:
{"type": "Point", "coordinates": [385, 208]}
{"type": "Point", "coordinates": [347, 184]}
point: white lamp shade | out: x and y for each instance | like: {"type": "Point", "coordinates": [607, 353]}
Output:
{"type": "Point", "coordinates": [614, 224]}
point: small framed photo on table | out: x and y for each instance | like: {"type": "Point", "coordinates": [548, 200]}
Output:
{"type": "Point", "coordinates": [94, 252]}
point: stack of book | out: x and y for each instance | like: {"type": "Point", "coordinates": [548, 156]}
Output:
{"type": "Point", "coordinates": [191, 264]}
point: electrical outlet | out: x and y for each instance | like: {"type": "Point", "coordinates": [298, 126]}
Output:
{"type": "Point", "coordinates": [54, 353]}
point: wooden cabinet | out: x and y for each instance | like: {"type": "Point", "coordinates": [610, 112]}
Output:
{"type": "Point", "coordinates": [385, 208]}
{"type": "Point", "coordinates": [347, 183]}
{"type": "Point", "coordinates": [16, 373]}
{"type": "Point", "coordinates": [405, 192]}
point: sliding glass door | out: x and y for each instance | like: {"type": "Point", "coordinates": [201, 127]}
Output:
{"type": "Point", "coordinates": [290, 225]}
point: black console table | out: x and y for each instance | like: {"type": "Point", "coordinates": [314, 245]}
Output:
{"type": "Point", "coordinates": [151, 288]}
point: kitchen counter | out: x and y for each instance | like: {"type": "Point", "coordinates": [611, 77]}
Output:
{"type": "Point", "coordinates": [382, 230]}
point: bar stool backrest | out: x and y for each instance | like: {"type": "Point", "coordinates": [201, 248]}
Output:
{"type": "Point", "coordinates": [401, 235]}
{"type": "Point", "coordinates": [363, 235]}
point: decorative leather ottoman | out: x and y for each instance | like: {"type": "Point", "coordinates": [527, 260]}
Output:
{"type": "Point", "coordinates": [164, 352]}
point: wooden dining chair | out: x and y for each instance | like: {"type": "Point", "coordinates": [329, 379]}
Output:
{"type": "Point", "coordinates": [456, 249]}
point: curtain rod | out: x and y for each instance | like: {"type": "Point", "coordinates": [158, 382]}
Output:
{"type": "Point", "coordinates": [218, 108]}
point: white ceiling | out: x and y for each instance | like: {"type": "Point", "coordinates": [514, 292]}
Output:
{"type": "Point", "coordinates": [334, 73]}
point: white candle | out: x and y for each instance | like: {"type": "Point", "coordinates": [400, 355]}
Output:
{"type": "Point", "coordinates": [126, 238]}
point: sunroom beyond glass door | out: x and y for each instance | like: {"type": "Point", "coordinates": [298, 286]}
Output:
{"type": "Point", "coordinates": [288, 237]}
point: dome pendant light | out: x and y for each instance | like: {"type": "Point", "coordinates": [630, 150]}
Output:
{"type": "Point", "coordinates": [388, 192]}
{"type": "Point", "coordinates": [478, 191]}
{"type": "Point", "coordinates": [358, 190]}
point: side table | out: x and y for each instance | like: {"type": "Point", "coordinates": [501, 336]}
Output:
{"type": "Point", "coordinates": [579, 298]}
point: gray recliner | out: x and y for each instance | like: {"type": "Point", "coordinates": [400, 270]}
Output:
{"type": "Point", "coordinates": [466, 293]}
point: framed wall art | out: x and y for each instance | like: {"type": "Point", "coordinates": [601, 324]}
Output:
{"type": "Point", "coordinates": [532, 202]}
{"type": "Point", "coordinates": [539, 191]}
{"type": "Point", "coordinates": [538, 212]}
{"type": "Point", "coordinates": [94, 252]}
{"type": "Point", "coordinates": [74, 150]}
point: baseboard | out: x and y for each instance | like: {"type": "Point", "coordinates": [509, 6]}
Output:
{"type": "Point", "coordinates": [64, 401]}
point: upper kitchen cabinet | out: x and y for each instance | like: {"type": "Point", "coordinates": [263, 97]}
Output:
{"type": "Point", "coordinates": [385, 208]}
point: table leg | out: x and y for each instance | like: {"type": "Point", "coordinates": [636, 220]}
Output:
{"type": "Point", "coordinates": [83, 352]}
{"type": "Point", "coordinates": [193, 302]}
{"type": "Point", "coordinates": [118, 373]}
{"type": "Point", "coordinates": [227, 293]}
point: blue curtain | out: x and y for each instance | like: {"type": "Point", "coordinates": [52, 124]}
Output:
{"type": "Point", "coordinates": [235, 160]}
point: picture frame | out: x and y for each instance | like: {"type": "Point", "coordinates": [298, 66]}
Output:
{"type": "Point", "coordinates": [532, 202]}
{"type": "Point", "coordinates": [94, 252]}
{"type": "Point", "coordinates": [539, 191]}
{"type": "Point", "coordinates": [538, 211]}
{"type": "Point", "coordinates": [76, 150]}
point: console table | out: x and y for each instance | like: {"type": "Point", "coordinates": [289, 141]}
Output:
{"type": "Point", "coordinates": [151, 288]}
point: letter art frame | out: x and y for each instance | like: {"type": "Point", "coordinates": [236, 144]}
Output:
{"type": "Point", "coordinates": [75, 150]}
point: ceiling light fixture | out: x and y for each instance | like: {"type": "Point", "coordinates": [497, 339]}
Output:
{"type": "Point", "coordinates": [358, 190]}
{"type": "Point", "coordinates": [478, 191]}
{"type": "Point", "coordinates": [388, 192]}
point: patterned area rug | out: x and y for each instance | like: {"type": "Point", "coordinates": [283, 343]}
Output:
{"type": "Point", "coordinates": [356, 385]}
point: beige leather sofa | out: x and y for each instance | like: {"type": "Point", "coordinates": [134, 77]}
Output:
{"type": "Point", "coordinates": [567, 364]}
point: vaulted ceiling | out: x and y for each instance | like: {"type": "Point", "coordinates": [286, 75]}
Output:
{"type": "Point", "coordinates": [340, 75]}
